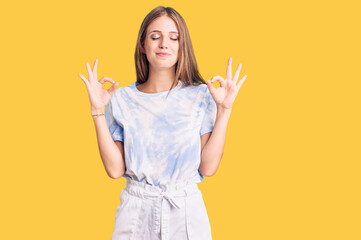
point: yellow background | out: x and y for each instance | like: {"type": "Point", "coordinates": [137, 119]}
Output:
{"type": "Point", "coordinates": [291, 166]}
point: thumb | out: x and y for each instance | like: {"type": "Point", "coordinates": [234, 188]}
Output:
{"type": "Point", "coordinates": [112, 89]}
{"type": "Point", "coordinates": [211, 88]}
{"type": "Point", "coordinates": [84, 80]}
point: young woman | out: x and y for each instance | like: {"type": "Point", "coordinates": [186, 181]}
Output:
{"type": "Point", "coordinates": [163, 133]}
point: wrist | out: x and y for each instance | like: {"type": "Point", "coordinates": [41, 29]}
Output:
{"type": "Point", "coordinates": [95, 116]}
{"type": "Point", "coordinates": [96, 111]}
{"type": "Point", "coordinates": [224, 110]}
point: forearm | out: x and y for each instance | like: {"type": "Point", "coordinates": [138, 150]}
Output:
{"type": "Point", "coordinates": [212, 152]}
{"type": "Point", "coordinates": [111, 155]}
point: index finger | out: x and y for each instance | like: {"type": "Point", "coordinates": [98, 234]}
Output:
{"type": "Point", "coordinates": [95, 69]}
{"type": "Point", "coordinates": [229, 69]}
{"type": "Point", "coordinates": [89, 72]}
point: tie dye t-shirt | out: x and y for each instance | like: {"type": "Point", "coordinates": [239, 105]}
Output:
{"type": "Point", "coordinates": [161, 135]}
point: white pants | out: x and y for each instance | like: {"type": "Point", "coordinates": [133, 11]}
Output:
{"type": "Point", "coordinates": [148, 212]}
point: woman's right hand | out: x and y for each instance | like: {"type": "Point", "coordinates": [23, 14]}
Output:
{"type": "Point", "coordinates": [99, 97]}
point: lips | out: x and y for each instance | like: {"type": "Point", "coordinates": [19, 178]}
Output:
{"type": "Point", "coordinates": [163, 54]}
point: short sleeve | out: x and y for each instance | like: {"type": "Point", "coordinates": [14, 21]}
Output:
{"type": "Point", "coordinates": [209, 115]}
{"type": "Point", "coordinates": [116, 131]}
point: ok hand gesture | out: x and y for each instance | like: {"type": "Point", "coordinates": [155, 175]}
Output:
{"type": "Point", "coordinates": [225, 94]}
{"type": "Point", "coordinates": [99, 97]}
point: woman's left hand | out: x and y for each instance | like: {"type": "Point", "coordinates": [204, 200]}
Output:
{"type": "Point", "coordinates": [226, 93]}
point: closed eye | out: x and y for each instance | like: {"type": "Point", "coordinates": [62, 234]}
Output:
{"type": "Point", "coordinates": [174, 39]}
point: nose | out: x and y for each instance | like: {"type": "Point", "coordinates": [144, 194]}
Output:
{"type": "Point", "coordinates": [163, 43]}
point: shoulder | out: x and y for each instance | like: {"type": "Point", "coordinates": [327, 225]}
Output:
{"type": "Point", "coordinates": [121, 92]}
{"type": "Point", "coordinates": [203, 92]}
{"type": "Point", "coordinates": [200, 89]}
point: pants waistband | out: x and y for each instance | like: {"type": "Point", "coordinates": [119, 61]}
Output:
{"type": "Point", "coordinates": [146, 191]}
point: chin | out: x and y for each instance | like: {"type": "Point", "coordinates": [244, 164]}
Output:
{"type": "Point", "coordinates": [163, 65]}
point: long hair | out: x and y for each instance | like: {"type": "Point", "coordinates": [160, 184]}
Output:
{"type": "Point", "coordinates": [186, 69]}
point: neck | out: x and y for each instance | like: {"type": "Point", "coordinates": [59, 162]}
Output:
{"type": "Point", "coordinates": [159, 80]}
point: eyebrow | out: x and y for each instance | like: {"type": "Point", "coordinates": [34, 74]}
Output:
{"type": "Point", "coordinates": [160, 31]}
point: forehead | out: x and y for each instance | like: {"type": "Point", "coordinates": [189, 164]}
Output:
{"type": "Point", "coordinates": [164, 24]}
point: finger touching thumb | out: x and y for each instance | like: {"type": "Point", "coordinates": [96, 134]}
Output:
{"type": "Point", "coordinates": [210, 86]}
{"type": "Point", "coordinates": [112, 89]}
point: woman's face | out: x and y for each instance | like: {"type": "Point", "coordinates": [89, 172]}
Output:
{"type": "Point", "coordinates": [162, 37]}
